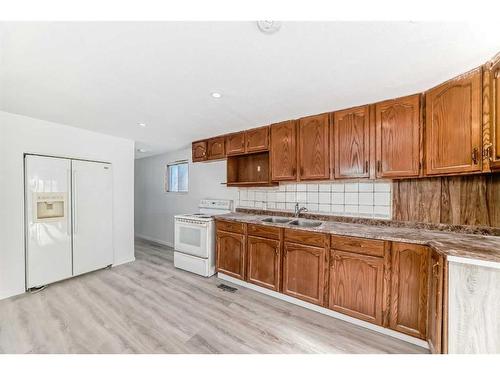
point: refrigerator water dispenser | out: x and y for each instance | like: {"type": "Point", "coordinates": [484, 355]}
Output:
{"type": "Point", "coordinates": [49, 207]}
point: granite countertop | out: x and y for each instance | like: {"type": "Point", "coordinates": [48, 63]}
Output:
{"type": "Point", "coordinates": [456, 244]}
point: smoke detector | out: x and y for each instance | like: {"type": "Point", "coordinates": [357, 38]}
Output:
{"type": "Point", "coordinates": [268, 27]}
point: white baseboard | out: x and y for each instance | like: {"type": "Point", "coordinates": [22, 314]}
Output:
{"type": "Point", "coordinates": [148, 238]}
{"type": "Point", "coordinates": [322, 310]}
{"type": "Point", "coordinates": [123, 262]}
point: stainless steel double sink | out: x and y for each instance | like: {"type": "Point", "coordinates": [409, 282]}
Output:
{"type": "Point", "coordinates": [295, 222]}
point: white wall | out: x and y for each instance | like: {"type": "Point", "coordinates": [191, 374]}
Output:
{"type": "Point", "coordinates": [155, 209]}
{"type": "Point", "coordinates": [19, 135]}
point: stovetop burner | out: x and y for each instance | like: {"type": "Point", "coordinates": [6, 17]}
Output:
{"type": "Point", "coordinates": [203, 216]}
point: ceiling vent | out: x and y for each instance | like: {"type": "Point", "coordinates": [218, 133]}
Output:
{"type": "Point", "coordinates": [268, 27]}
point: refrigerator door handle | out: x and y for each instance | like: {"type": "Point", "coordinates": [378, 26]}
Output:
{"type": "Point", "coordinates": [68, 203]}
{"type": "Point", "coordinates": [73, 193]}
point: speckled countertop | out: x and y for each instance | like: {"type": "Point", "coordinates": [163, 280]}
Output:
{"type": "Point", "coordinates": [472, 246]}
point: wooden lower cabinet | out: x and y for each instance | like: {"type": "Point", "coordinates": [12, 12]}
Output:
{"type": "Point", "coordinates": [357, 285]}
{"type": "Point", "coordinates": [395, 285]}
{"type": "Point", "coordinates": [304, 272]}
{"type": "Point", "coordinates": [409, 289]}
{"type": "Point", "coordinates": [435, 315]}
{"type": "Point", "coordinates": [264, 262]}
{"type": "Point", "coordinates": [231, 254]}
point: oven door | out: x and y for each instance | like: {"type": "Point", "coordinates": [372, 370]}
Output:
{"type": "Point", "coordinates": [191, 237]}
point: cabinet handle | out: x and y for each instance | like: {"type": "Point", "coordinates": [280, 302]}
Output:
{"type": "Point", "coordinates": [379, 165]}
{"type": "Point", "coordinates": [474, 155]}
{"type": "Point", "coordinates": [366, 166]}
{"type": "Point", "coordinates": [435, 269]}
{"type": "Point", "coordinates": [487, 151]}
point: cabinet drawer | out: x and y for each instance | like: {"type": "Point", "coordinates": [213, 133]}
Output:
{"type": "Point", "coordinates": [231, 226]}
{"type": "Point", "coordinates": [306, 237]}
{"type": "Point", "coordinates": [359, 245]}
{"type": "Point", "coordinates": [264, 231]}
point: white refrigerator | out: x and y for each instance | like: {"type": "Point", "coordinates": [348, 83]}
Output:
{"type": "Point", "coordinates": [68, 218]}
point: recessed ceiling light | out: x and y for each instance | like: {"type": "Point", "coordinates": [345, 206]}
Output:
{"type": "Point", "coordinates": [141, 150]}
{"type": "Point", "coordinates": [142, 124]}
{"type": "Point", "coordinates": [216, 95]}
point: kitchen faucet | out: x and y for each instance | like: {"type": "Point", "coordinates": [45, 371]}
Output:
{"type": "Point", "coordinates": [299, 210]}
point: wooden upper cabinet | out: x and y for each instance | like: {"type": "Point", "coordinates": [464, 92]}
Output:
{"type": "Point", "coordinates": [216, 148]}
{"type": "Point", "coordinates": [493, 148]}
{"type": "Point", "coordinates": [284, 151]}
{"type": "Point", "coordinates": [304, 272]}
{"type": "Point", "coordinates": [453, 125]}
{"type": "Point", "coordinates": [351, 143]}
{"type": "Point", "coordinates": [257, 139]}
{"type": "Point", "coordinates": [247, 142]}
{"type": "Point", "coordinates": [199, 150]}
{"type": "Point", "coordinates": [264, 262]}
{"type": "Point", "coordinates": [235, 143]}
{"type": "Point", "coordinates": [409, 289]}
{"type": "Point", "coordinates": [314, 162]}
{"type": "Point", "coordinates": [397, 137]}
{"type": "Point", "coordinates": [435, 314]}
{"type": "Point", "coordinates": [231, 254]}
{"type": "Point", "coordinates": [357, 285]}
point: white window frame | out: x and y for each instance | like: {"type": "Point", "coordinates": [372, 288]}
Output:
{"type": "Point", "coordinates": [166, 176]}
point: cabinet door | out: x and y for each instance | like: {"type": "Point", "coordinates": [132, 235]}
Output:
{"type": "Point", "coordinates": [409, 289]}
{"type": "Point", "coordinates": [351, 132]}
{"type": "Point", "coordinates": [313, 148]}
{"type": "Point", "coordinates": [397, 137]}
{"type": "Point", "coordinates": [216, 148]}
{"type": "Point", "coordinates": [231, 254]}
{"type": "Point", "coordinates": [435, 315]}
{"type": "Point", "coordinates": [494, 152]}
{"type": "Point", "coordinates": [356, 285]}
{"type": "Point", "coordinates": [199, 151]}
{"type": "Point", "coordinates": [304, 272]}
{"type": "Point", "coordinates": [264, 262]}
{"type": "Point", "coordinates": [257, 139]}
{"type": "Point", "coordinates": [284, 151]}
{"type": "Point", "coordinates": [235, 143]}
{"type": "Point", "coordinates": [453, 125]}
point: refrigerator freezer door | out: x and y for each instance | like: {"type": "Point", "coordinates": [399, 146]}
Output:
{"type": "Point", "coordinates": [48, 220]}
{"type": "Point", "coordinates": [92, 216]}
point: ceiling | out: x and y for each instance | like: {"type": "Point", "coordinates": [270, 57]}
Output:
{"type": "Point", "coordinates": [110, 76]}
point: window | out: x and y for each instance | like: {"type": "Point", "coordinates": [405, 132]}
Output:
{"type": "Point", "coordinates": [176, 177]}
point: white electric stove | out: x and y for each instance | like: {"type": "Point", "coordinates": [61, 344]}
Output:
{"type": "Point", "coordinates": [194, 248]}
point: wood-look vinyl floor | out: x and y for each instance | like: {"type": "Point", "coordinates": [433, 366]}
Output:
{"type": "Point", "coordinates": [148, 306]}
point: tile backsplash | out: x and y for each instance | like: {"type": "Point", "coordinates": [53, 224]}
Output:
{"type": "Point", "coordinates": [362, 199]}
